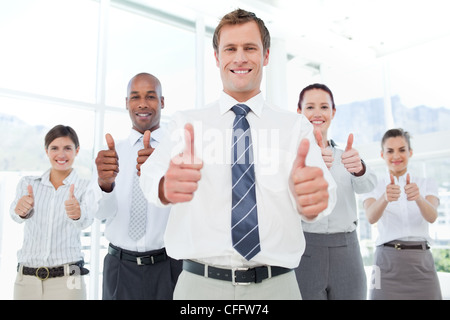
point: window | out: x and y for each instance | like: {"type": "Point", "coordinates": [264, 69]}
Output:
{"type": "Point", "coordinates": [49, 54]}
{"type": "Point", "coordinates": [139, 43]}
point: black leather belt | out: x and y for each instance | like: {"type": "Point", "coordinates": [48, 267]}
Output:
{"type": "Point", "coordinates": [237, 276]}
{"type": "Point", "coordinates": [402, 246]}
{"type": "Point", "coordinates": [143, 259]}
{"type": "Point", "coordinates": [43, 273]}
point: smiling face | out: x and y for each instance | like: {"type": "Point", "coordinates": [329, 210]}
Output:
{"type": "Point", "coordinates": [317, 107]}
{"type": "Point", "coordinates": [62, 152]}
{"type": "Point", "coordinates": [241, 58]}
{"type": "Point", "coordinates": [144, 102]}
{"type": "Point", "coordinates": [396, 153]}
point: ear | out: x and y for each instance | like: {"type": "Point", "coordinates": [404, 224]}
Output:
{"type": "Point", "coordinates": [410, 152]}
{"type": "Point", "coordinates": [126, 103]}
{"type": "Point", "coordinates": [77, 150]}
{"type": "Point", "coordinates": [333, 113]}
{"type": "Point", "coordinates": [162, 102]}
{"type": "Point", "coordinates": [266, 58]}
{"type": "Point", "coordinates": [382, 154]}
{"type": "Point", "coordinates": [299, 111]}
{"type": "Point", "coordinates": [216, 56]}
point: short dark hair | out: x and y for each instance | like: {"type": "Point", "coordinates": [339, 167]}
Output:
{"type": "Point", "coordinates": [240, 16]}
{"type": "Point", "coordinates": [59, 131]}
{"type": "Point", "coordinates": [397, 132]}
{"type": "Point", "coordinates": [315, 86]}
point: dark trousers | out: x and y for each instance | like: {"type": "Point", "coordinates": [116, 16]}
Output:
{"type": "Point", "coordinates": [126, 280]}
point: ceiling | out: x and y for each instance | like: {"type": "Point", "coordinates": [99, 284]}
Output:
{"type": "Point", "coordinates": [321, 31]}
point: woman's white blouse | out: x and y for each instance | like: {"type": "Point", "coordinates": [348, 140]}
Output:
{"type": "Point", "coordinates": [402, 218]}
{"type": "Point", "coordinates": [51, 238]}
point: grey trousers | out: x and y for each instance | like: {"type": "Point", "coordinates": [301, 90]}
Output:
{"type": "Point", "coordinates": [331, 268]}
{"type": "Point", "coordinates": [407, 274]}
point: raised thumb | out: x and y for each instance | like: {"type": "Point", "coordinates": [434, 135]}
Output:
{"type": "Point", "coordinates": [110, 142]}
{"type": "Point", "coordinates": [319, 138]}
{"type": "Point", "coordinates": [349, 142]}
{"type": "Point", "coordinates": [71, 192]}
{"type": "Point", "coordinates": [302, 152]}
{"type": "Point", "coordinates": [146, 139]}
{"type": "Point", "coordinates": [189, 140]}
{"type": "Point", "coordinates": [30, 191]}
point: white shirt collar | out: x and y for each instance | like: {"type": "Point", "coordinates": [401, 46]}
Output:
{"type": "Point", "coordinates": [256, 103]}
{"type": "Point", "coordinates": [45, 178]}
{"type": "Point", "coordinates": [134, 136]}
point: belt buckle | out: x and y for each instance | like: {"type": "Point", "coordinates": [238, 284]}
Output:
{"type": "Point", "coordinates": [398, 246]}
{"type": "Point", "coordinates": [139, 260]}
{"type": "Point", "coordinates": [233, 277]}
{"type": "Point", "coordinates": [39, 277]}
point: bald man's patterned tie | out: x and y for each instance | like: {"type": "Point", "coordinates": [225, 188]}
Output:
{"type": "Point", "coordinates": [244, 215]}
{"type": "Point", "coordinates": [138, 212]}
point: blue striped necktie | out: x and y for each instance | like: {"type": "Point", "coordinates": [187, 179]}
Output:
{"type": "Point", "coordinates": [244, 215]}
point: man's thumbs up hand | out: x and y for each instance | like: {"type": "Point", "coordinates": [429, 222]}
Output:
{"type": "Point", "coordinates": [107, 163]}
{"type": "Point", "coordinates": [182, 177]}
{"type": "Point", "coordinates": [308, 184]}
{"type": "Point", "coordinates": [143, 154]}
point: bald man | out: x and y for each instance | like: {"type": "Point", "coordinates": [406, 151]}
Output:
{"type": "Point", "coordinates": [136, 266]}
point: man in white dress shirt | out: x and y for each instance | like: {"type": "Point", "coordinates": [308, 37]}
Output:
{"type": "Point", "coordinates": [191, 172]}
{"type": "Point", "coordinates": [136, 267]}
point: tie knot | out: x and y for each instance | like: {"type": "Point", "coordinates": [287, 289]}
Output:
{"type": "Point", "coordinates": [241, 109]}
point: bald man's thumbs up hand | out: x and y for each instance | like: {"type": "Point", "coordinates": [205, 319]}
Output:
{"type": "Point", "coordinates": [143, 154]}
{"type": "Point", "coordinates": [182, 177]}
{"type": "Point", "coordinates": [72, 205]}
{"type": "Point", "coordinates": [327, 154]}
{"type": "Point", "coordinates": [351, 159]}
{"type": "Point", "coordinates": [308, 185]}
{"type": "Point", "coordinates": [107, 163]}
{"type": "Point", "coordinates": [25, 203]}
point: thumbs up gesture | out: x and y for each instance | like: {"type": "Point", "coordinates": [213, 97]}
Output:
{"type": "Point", "coordinates": [351, 159]}
{"type": "Point", "coordinates": [25, 203]}
{"type": "Point", "coordinates": [308, 185]}
{"type": "Point", "coordinates": [392, 191]}
{"type": "Point", "coordinates": [107, 163]}
{"type": "Point", "coordinates": [181, 179]}
{"type": "Point", "coordinates": [72, 205]}
{"type": "Point", "coordinates": [143, 154]}
{"type": "Point", "coordinates": [327, 154]}
{"type": "Point", "coordinates": [411, 189]}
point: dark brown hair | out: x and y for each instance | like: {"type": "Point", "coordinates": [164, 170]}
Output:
{"type": "Point", "coordinates": [398, 132]}
{"type": "Point", "coordinates": [240, 16]}
{"type": "Point", "coordinates": [59, 131]}
{"type": "Point", "coordinates": [315, 86]}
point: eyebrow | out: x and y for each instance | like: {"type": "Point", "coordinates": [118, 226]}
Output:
{"type": "Point", "coordinates": [137, 92]}
{"type": "Point", "coordinates": [253, 44]}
